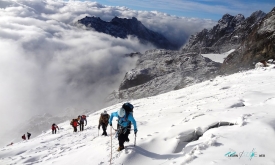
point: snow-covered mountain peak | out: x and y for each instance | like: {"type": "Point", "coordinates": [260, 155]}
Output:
{"type": "Point", "coordinates": [258, 13]}
{"type": "Point", "coordinates": [225, 20]}
{"type": "Point", "coordinates": [228, 23]}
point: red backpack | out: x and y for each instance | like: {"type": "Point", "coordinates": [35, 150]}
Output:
{"type": "Point", "coordinates": [75, 123]}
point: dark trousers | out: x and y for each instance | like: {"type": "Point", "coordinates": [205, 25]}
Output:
{"type": "Point", "coordinates": [75, 129]}
{"type": "Point", "coordinates": [121, 139]}
{"type": "Point", "coordinates": [127, 132]}
{"type": "Point", "coordinates": [81, 125]}
{"type": "Point", "coordinates": [123, 136]}
{"type": "Point", "coordinates": [104, 127]}
{"type": "Point", "coordinates": [54, 131]}
{"type": "Point", "coordinates": [29, 135]}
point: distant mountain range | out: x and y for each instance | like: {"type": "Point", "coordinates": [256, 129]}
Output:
{"type": "Point", "coordinates": [122, 27]}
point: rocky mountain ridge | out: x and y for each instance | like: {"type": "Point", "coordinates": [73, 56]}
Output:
{"type": "Point", "coordinates": [122, 27]}
{"type": "Point", "coordinates": [259, 46]}
{"type": "Point", "coordinates": [228, 34]}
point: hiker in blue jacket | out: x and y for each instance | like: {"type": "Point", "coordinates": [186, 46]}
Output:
{"type": "Point", "coordinates": [124, 119]}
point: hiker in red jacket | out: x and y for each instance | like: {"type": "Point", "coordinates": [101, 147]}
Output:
{"type": "Point", "coordinates": [24, 137]}
{"type": "Point", "coordinates": [74, 124]}
{"type": "Point", "coordinates": [54, 126]}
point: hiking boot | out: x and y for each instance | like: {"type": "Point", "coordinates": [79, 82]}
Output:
{"type": "Point", "coordinates": [120, 148]}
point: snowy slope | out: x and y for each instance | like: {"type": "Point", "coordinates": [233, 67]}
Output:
{"type": "Point", "coordinates": [166, 124]}
{"type": "Point", "coordinates": [218, 57]}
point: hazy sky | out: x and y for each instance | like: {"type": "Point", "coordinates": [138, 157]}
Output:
{"type": "Point", "coordinates": [206, 9]}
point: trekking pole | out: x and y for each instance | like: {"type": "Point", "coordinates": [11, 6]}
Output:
{"type": "Point", "coordinates": [135, 139]}
{"type": "Point", "coordinates": [111, 147]}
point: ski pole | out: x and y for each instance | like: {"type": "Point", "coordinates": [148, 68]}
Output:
{"type": "Point", "coordinates": [135, 139]}
{"type": "Point", "coordinates": [111, 147]}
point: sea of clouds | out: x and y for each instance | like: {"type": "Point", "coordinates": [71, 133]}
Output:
{"type": "Point", "coordinates": [48, 64]}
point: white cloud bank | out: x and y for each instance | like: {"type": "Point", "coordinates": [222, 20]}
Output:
{"type": "Point", "coordinates": [48, 65]}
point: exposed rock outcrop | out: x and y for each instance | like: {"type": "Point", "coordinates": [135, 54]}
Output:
{"type": "Point", "coordinates": [258, 46]}
{"type": "Point", "coordinates": [226, 35]}
{"type": "Point", "coordinates": [159, 71]}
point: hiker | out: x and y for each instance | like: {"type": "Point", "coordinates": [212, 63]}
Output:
{"type": "Point", "coordinates": [29, 135]}
{"type": "Point", "coordinates": [10, 144]}
{"type": "Point", "coordinates": [24, 137]}
{"type": "Point", "coordinates": [124, 120]}
{"type": "Point", "coordinates": [128, 108]}
{"type": "Point", "coordinates": [54, 126]}
{"type": "Point", "coordinates": [103, 121]}
{"type": "Point", "coordinates": [81, 123]}
{"type": "Point", "coordinates": [74, 124]}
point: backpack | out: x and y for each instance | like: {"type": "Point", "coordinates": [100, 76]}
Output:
{"type": "Point", "coordinates": [128, 108]}
{"type": "Point", "coordinates": [105, 118]}
{"type": "Point", "coordinates": [71, 123]}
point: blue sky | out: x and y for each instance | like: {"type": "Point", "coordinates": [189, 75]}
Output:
{"type": "Point", "coordinates": [209, 9]}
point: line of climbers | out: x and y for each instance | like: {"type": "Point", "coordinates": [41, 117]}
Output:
{"type": "Point", "coordinates": [28, 135]}
{"type": "Point", "coordinates": [124, 121]}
